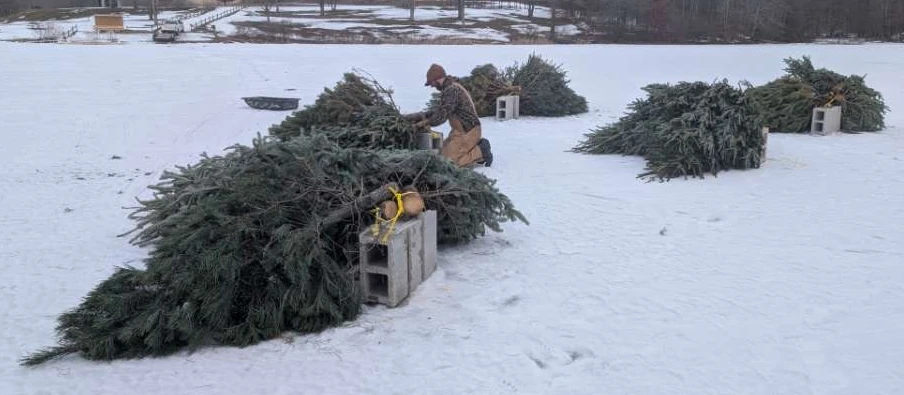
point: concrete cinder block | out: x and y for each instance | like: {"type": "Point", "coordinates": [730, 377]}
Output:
{"type": "Point", "coordinates": [416, 255]}
{"type": "Point", "coordinates": [431, 141]}
{"type": "Point", "coordinates": [384, 270]}
{"type": "Point", "coordinates": [430, 242]}
{"type": "Point", "coordinates": [387, 288]}
{"type": "Point", "coordinates": [398, 230]}
{"type": "Point", "coordinates": [437, 142]}
{"type": "Point", "coordinates": [424, 140]}
{"type": "Point", "coordinates": [508, 107]}
{"type": "Point", "coordinates": [826, 120]}
{"type": "Point", "coordinates": [389, 272]}
{"type": "Point", "coordinates": [384, 266]}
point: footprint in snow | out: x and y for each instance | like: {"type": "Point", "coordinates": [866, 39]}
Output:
{"type": "Point", "coordinates": [578, 354]}
{"type": "Point", "coordinates": [511, 301]}
{"type": "Point", "coordinates": [552, 359]}
{"type": "Point", "coordinates": [540, 364]}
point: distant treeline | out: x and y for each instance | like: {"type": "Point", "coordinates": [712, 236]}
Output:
{"type": "Point", "coordinates": [728, 20]}
{"type": "Point", "coordinates": [680, 21]}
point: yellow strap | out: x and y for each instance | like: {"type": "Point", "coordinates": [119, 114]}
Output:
{"type": "Point", "coordinates": [392, 222]}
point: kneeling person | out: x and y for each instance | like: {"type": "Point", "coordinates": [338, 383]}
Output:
{"type": "Point", "coordinates": [465, 144]}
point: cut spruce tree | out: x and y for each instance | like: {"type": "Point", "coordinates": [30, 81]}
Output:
{"type": "Point", "coordinates": [355, 113]}
{"type": "Point", "coordinates": [684, 130]}
{"type": "Point", "coordinates": [786, 104]}
{"type": "Point", "coordinates": [259, 241]}
{"type": "Point", "coordinates": [545, 90]}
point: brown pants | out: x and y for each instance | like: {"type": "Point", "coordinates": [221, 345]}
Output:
{"type": "Point", "coordinates": [461, 147]}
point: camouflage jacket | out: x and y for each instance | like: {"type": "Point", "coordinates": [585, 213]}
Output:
{"type": "Point", "coordinates": [455, 102]}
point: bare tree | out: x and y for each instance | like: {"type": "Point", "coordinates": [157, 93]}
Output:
{"type": "Point", "coordinates": [552, 19]}
{"type": "Point", "coordinates": [267, 5]}
{"type": "Point", "coordinates": [8, 7]}
{"type": "Point", "coordinates": [152, 11]}
{"type": "Point", "coordinates": [461, 10]}
{"type": "Point", "coordinates": [730, 20]}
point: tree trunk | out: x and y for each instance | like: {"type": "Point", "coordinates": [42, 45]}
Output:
{"type": "Point", "coordinates": [756, 19]}
{"type": "Point", "coordinates": [726, 19]}
{"type": "Point", "coordinates": [552, 19]}
{"type": "Point", "coordinates": [413, 6]}
{"type": "Point", "coordinates": [363, 203]}
{"type": "Point", "coordinates": [461, 10]}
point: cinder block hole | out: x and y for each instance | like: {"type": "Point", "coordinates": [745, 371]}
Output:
{"type": "Point", "coordinates": [378, 255]}
{"type": "Point", "coordinates": [378, 284]}
{"type": "Point", "coordinates": [818, 126]}
{"type": "Point", "coordinates": [820, 115]}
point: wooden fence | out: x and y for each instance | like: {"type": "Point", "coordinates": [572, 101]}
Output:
{"type": "Point", "coordinates": [213, 18]}
{"type": "Point", "coordinates": [192, 14]}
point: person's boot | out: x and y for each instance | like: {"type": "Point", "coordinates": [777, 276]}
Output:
{"type": "Point", "coordinates": [485, 151]}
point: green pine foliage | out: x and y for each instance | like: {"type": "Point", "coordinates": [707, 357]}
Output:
{"type": "Point", "coordinates": [342, 105]}
{"type": "Point", "coordinates": [684, 130]}
{"type": "Point", "coordinates": [356, 113]}
{"type": "Point", "coordinates": [239, 253]}
{"type": "Point", "coordinates": [786, 104]}
{"type": "Point", "coordinates": [544, 89]}
{"type": "Point", "coordinates": [375, 127]}
{"type": "Point", "coordinates": [542, 86]}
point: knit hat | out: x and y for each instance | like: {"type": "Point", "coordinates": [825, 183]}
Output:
{"type": "Point", "coordinates": [434, 73]}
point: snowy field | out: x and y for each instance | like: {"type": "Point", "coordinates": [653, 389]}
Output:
{"type": "Point", "coordinates": [138, 27]}
{"type": "Point", "coordinates": [431, 23]}
{"type": "Point", "coordinates": [786, 280]}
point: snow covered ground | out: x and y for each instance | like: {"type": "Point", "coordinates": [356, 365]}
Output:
{"type": "Point", "coordinates": [785, 280]}
{"type": "Point", "coordinates": [430, 23]}
{"type": "Point", "coordinates": [139, 28]}
{"type": "Point", "coordinates": [380, 20]}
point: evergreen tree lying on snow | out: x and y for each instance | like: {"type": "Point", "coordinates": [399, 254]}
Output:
{"type": "Point", "coordinates": [356, 113]}
{"type": "Point", "coordinates": [684, 130]}
{"type": "Point", "coordinates": [786, 104]}
{"type": "Point", "coordinates": [351, 102]}
{"type": "Point", "coordinates": [248, 245]}
{"type": "Point", "coordinates": [542, 86]}
{"type": "Point", "coordinates": [544, 89]}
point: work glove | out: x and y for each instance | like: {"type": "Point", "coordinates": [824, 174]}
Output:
{"type": "Point", "coordinates": [418, 116]}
